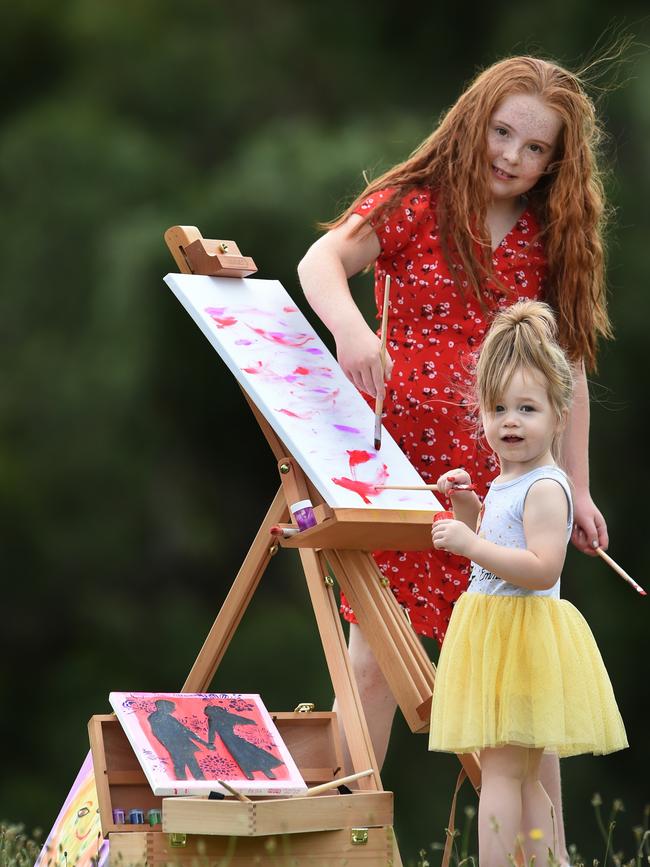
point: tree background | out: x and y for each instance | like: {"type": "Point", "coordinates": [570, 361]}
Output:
{"type": "Point", "coordinates": [132, 475]}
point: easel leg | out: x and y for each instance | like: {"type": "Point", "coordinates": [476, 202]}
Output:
{"type": "Point", "coordinates": [398, 651]}
{"type": "Point", "coordinates": [353, 721]}
{"type": "Point", "coordinates": [236, 602]}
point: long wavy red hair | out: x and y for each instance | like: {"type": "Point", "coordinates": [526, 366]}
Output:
{"type": "Point", "coordinates": [568, 200]}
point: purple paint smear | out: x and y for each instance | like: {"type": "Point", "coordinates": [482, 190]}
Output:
{"type": "Point", "coordinates": [346, 429]}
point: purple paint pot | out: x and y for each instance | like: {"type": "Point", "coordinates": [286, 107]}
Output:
{"type": "Point", "coordinates": [303, 513]}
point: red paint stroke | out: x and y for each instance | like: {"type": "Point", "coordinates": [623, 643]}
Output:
{"type": "Point", "coordinates": [224, 321]}
{"type": "Point", "coordinates": [283, 339]}
{"type": "Point", "coordinates": [364, 489]}
{"type": "Point", "coordinates": [258, 369]}
{"type": "Point", "coordinates": [303, 371]}
{"type": "Point", "coordinates": [359, 456]}
{"type": "Point", "coordinates": [290, 310]}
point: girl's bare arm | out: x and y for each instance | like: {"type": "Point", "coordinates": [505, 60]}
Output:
{"type": "Point", "coordinates": [535, 567]}
{"type": "Point", "coordinates": [589, 525]}
{"type": "Point", "coordinates": [324, 272]}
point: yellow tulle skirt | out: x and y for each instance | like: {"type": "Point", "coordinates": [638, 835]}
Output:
{"type": "Point", "coordinates": [522, 670]}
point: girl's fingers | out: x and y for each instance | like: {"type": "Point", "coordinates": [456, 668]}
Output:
{"type": "Point", "coordinates": [369, 382]}
{"type": "Point", "coordinates": [377, 380]}
{"type": "Point", "coordinates": [388, 370]}
{"type": "Point", "coordinates": [584, 541]}
{"type": "Point", "coordinates": [601, 529]}
{"type": "Point", "coordinates": [356, 380]}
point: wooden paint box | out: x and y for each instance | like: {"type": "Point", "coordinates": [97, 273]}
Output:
{"type": "Point", "coordinates": [328, 829]}
{"type": "Point", "coordinates": [311, 738]}
{"type": "Point", "coordinates": [269, 816]}
{"type": "Point", "coordinates": [372, 847]}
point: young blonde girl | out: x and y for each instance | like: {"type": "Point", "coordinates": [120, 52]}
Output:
{"type": "Point", "coordinates": [503, 201]}
{"type": "Point", "coordinates": [519, 671]}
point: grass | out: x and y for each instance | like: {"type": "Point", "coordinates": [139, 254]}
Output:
{"type": "Point", "coordinates": [18, 849]}
{"type": "Point", "coordinates": [637, 843]}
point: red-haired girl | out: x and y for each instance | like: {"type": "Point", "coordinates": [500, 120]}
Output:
{"type": "Point", "coordinates": [502, 202]}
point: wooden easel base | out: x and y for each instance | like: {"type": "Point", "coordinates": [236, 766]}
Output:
{"type": "Point", "coordinates": [374, 847]}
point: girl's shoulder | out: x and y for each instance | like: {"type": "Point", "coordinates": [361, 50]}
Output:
{"type": "Point", "coordinates": [414, 201]}
{"type": "Point", "coordinates": [513, 494]}
{"type": "Point", "coordinates": [526, 480]}
{"type": "Point", "coordinates": [404, 220]}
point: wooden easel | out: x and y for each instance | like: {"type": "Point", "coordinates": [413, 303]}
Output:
{"type": "Point", "coordinates": [338, 547]}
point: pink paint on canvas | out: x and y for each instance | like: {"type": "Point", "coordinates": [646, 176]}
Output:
{"type": "Point", "coordinates": [304, 416]}
{"type": "Point", "coordinates": [186, 742]}
{"type": "Point", "coordinates": [283, 338]}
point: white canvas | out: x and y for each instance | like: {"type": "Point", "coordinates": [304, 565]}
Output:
{"type": "Point", "coordinates": [297, 384]}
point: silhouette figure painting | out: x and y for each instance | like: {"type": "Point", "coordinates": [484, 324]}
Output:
{"type": "Point", "coordinates": [180, 741]}
{"type": "Point", "coordinates": [249, 757]}
{"type": "Point", "coordinates": [187, 742]}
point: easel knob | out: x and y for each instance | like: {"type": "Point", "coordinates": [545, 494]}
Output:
{"type": "Point", "coordinates": [195, 254]}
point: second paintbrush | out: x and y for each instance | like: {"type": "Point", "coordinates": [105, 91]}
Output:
{"type": "Point", "coordinates": [379, 400]}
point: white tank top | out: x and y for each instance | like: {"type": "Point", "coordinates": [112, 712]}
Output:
{"type": "Point", "coordinates": [502, 522]}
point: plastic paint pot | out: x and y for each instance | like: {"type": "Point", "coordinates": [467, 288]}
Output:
{"type": "Point", "coordinates": [443, 516]}
{"type": "Point", "coordinates": [303, 513]}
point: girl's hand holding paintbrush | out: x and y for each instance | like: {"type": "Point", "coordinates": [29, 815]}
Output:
{"type": "Point", "coordinates": [453, 482]}
{"type": "Point", "coordinates": [358, 351]}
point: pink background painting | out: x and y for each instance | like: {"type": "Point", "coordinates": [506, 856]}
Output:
{"type": "Point", "coordinates": [297, 384]}
{"type": "Point", "coordinates": [222, 736]}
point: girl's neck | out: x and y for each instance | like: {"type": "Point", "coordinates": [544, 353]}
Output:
{"type": "Point", "coordinates": [506, 209]}
{"type": "Point", "coordinates": [502, 214]}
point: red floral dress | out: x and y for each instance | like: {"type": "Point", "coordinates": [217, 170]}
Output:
{"type": "Point", "coordinates": [433, 334]}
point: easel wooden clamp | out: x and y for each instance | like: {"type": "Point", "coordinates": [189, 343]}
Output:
{"type": "Point", "coordinates": [337, 548]}
{"type": "Point", "coordinates": [195, 254]}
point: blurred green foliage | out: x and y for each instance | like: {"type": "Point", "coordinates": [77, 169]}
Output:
{"type": "Point", "coordinates": [132, 475]}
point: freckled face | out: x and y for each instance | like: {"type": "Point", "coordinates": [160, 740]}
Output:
{"type": "Point", "coordinates": [521, 141]}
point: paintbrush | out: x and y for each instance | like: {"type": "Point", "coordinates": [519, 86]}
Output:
{"type": "Point", "coordinates": [239, 795]}
{"type": "Point", "coordinates": [379, 400]}
{"type": "Point", "coordinates": [422, 488]}
{"type": "Point", "coordinates": [620, 571]}
{"type": "Point", "coordinates": [324, 787]}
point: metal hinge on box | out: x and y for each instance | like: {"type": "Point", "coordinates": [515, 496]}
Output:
{"type": "Point", "coordinates": [358, 836]}
{"type": "Point", "coordinates": [305, 707]}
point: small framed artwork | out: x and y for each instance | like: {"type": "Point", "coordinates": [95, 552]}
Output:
{"type": "Point", "coordinates": [76, 836]}
{"type": "Point", "coordinates": [188, 742]}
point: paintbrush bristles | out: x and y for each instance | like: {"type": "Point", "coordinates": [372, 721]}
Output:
{"type": "Point", "coordinates": [379, 400]}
